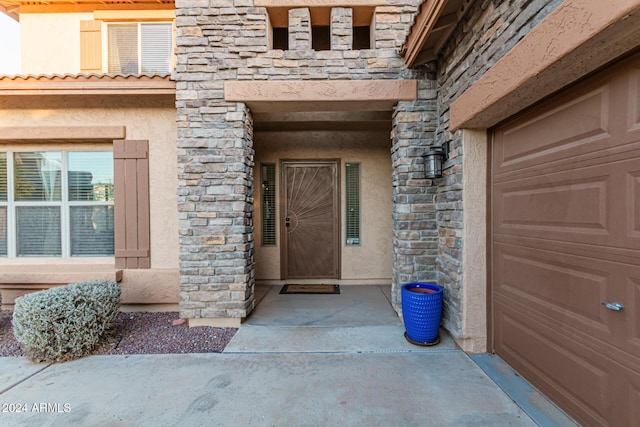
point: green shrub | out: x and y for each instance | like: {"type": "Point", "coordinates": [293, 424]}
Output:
{"type": "Point", "coordinates": [65, 322]}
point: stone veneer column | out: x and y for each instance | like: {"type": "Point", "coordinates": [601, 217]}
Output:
{"type": "Point", "coordinates": [415, 233]}
{"type": "Point", "coordinates": [341, 28]}
{"type": "Point", "coordinates": [215, 161]}
{"type": "Point", "coordinates": [215, 202]}
{"type": "Point", "coordinates": [299, 29]}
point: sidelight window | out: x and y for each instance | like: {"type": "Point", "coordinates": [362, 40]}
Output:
{"type": "Point", "coordinates": [352, 205]}
{"type": "Point", "coordinates": [268, 188]}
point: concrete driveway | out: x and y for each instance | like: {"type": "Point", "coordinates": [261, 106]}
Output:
{"type": "Point", "coordinates": [318, 368]}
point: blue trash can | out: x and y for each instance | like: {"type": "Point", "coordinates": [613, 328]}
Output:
{"type": "Point", "coordinates": [422, 312]}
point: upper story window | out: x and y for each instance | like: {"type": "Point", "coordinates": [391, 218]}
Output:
{"type": "Point", "coordinates": [135, 48]}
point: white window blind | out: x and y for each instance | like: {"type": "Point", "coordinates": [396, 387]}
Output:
{"type": "Point", "coordinates": [38, 231]}
{"type": "Point", "coordinates": [140, 48]}
{"type": "Point", "coordinates": [3, 177]}
{"type": "Point", "coordinates": [56, 204]}
{"type": "Point", "coordinates": [90, 181]}
{"type": "Point", "coordinates": [3, 230]}
{"type": "Point", "coordinates": [37, 181]}
{"type": "Point", "coordinates": [156, 47]}
{"type": "Point", "coordinates": [123, 49]}
{"type": "Point", "coordinates": [3, 204]}
{"type": "Point", "coordinates": [268, 187]}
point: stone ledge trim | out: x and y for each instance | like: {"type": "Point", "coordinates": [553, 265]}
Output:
{"type": "Point", "coordinates": [218, 322]}
{"type": "Point", "coordinates": [334, 95]}
{"type": "Point", "coordinates": [318, 3]}
{"type": "Point", "coordinates": [575, 39]}
{"type": "Point", "coordinates": [62, 133]}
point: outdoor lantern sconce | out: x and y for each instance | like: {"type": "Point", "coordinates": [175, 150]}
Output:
{"type": "Point", "coordinates": [433, 160]}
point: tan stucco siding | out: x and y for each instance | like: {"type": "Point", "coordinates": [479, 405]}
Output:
{"type": "Point", "coordinates": [369, 261]}
{"type": "Point", "coordinates": [154, 124]}
{"type": "Point", "coordinates": [50, 43]}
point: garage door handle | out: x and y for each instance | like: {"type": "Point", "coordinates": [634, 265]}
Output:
{"type": "Point", "coordinates": [616, 306]}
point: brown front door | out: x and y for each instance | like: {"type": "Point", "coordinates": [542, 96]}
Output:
{"type": "Point", "coordinates": [310, 220]}
{"type": "Point", "coordinates": [565, 240]}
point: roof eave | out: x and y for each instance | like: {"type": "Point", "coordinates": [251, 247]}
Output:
{"type": "Point", "coordinates": [86, 85]}
{"type": "Point", "coordinates": [433, 26]}
{"type": "Point", "coordinates": [11, 11]}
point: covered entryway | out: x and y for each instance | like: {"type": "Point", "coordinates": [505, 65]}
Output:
{"type": "Point", "coordinates": [565, 239]}
{"type": "Point", "coordinates": [310, 231]}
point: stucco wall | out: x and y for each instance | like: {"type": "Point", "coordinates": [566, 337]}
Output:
{"type": "Point", "coordinates": [143, 120]}
{"type": "Point", "coordinates": [371, 260]}
{"type": "Point", "coordinates": [50, 43]}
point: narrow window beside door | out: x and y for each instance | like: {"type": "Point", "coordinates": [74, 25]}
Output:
{"type": "Point", "coordinates": [352, 205]}
{"type": "Point", "coordinates": [268, 188]}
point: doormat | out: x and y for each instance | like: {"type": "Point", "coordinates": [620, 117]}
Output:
{"type": "Point", "coordinates": [310, 289]}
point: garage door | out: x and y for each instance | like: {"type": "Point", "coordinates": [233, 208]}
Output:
{"type": "Point", "coordinates": [566, 239]}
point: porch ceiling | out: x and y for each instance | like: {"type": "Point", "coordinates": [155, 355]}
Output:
{"type": "Point", "coordinates": [323, 120]}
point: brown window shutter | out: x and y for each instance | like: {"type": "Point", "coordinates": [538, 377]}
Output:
{"type": "Point", "coordinates": [131, 204]}
{"type": "Point", "coordinates": [91, 46]}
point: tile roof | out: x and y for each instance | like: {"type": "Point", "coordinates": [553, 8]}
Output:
{"type": "Point", "coordinates": [87, 84]}
{"type": "Point", "coordinates": [82, 76]}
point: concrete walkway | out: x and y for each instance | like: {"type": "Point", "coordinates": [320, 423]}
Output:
{"type": "Point", "coordinates": [321, 374]}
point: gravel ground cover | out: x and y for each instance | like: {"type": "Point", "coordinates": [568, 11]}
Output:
{"type": "Point", "coordinates": [140, 333]}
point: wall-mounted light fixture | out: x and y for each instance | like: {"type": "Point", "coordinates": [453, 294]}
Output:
{"type": "Point", "coordinates": [433, 160]}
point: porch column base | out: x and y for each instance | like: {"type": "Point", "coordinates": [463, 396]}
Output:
{"type": "Point", "coordinates": [216, 322]}
{"type": "Point", "coordinates": [472, 345]}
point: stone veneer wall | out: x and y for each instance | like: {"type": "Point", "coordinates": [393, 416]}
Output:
{"type": "Point", "coordinates": [221, 40]}
{"type": "Point", "coordinates": [415, 233]}
{"type": "Point", "coordinates": [487, 31]}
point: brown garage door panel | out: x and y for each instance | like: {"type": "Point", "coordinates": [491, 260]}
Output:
{"type": "Point", "coordinates": [541, 139]}
{"type": "Point", "coordinates": [579, 205]}
{"type": "Point", "coordinates": [566, 237]}
{"type": "Point", "coordinates": [576, 379]}
{"type": "Point", "coordinates": [632, 316]}
{"type": "Point", "coordinates": [570, 289]}
{"type": "Point", "coordinates": [603, 114]}
{"type": "Point", "coordinates": [563, 287]}
{"type": "Point", "coordinates": [633, 208]}
{"type": "Point", "coordinates": [585, 382]}
{"type": "Point", "coordinates": [634, 98]}
{"type": "Point", "coordinates": [567, 203]}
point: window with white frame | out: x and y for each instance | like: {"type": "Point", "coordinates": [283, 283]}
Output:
{"type": "Point", "coordinates": [56, 204]}
{"type": "Point", "coordinates": [140, 48]}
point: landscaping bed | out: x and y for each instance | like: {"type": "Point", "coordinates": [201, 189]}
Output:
{"type": "Point", "coordinates": [139, 333]}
